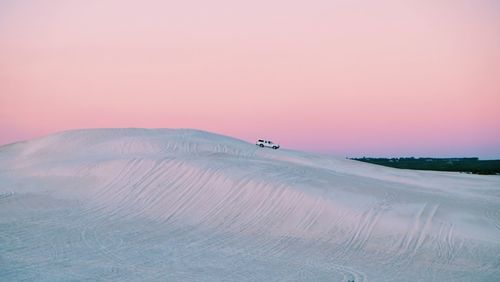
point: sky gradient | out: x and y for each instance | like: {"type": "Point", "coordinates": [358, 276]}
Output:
{"type": "Point", "coordinates": [350, 78]}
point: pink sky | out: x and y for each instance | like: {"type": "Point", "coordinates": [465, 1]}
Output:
{"type": "Point", "coordinates": [346, 77]}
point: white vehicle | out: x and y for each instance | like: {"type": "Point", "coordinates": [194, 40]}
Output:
{"type": "Point", "coordinates": [265, 143]}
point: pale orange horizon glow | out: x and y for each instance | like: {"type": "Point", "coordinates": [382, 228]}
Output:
{"type": "Point", "coordinates": [353, 78]}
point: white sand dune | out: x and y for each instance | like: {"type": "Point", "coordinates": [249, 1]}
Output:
{"type": "Point", "coordinates": [169, 205]}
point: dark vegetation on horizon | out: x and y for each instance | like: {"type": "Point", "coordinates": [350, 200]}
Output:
{"type": "Point", "coordinates": [466, 165]}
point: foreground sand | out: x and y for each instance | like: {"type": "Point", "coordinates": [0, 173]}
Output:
{"type": "Point", "coordinates": [146, 205]}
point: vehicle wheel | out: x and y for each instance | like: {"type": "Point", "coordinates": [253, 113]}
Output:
{"type": "Point", "coordinates": [274, 147]}
{"type": "Point", "coordinates": [261, 145]}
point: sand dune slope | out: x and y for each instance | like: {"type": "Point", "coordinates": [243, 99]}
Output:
{"type": "Point", "coordinates": [168, 205]}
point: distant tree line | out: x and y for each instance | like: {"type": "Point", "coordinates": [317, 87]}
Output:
{"type": "Point", "coordinates": [465, 165]}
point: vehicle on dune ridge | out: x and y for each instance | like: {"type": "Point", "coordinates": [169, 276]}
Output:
{"type": "Point", "coordinates": [266, 143]}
